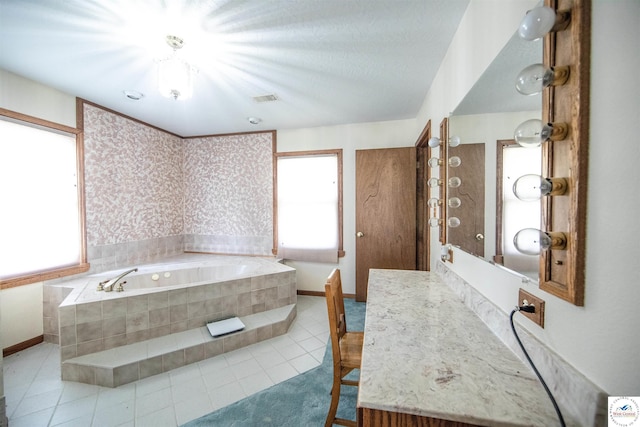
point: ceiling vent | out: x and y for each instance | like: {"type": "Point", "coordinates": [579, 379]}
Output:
{"type": "Point", "coordinates": [265, 98]}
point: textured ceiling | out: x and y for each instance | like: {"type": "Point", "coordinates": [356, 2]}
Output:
{"type": "Point", "coordinates": [328, 61]}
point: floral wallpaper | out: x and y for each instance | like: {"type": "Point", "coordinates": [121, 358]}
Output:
{"type": "Point", "coordinates": [151, 194]}
{"type": "Point", "coordinates": [133, 179]}
{"type": "Point", "coordinates": [228, 185]}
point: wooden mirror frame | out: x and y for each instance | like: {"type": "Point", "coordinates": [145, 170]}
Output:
{"type": "Point", "coordinates": [444, 177]}
{"type": "Point", "coordinates": [562, 271]}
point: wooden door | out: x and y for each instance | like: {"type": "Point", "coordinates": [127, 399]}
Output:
{"type": "Point", "coordinates": [470, 234]}
{"type": "Point", "coordinates": [385, 212]}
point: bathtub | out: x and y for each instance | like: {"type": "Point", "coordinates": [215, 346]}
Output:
{"type": "Point", "coordinates": [179, 294]}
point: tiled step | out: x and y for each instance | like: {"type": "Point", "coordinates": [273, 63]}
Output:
{"type": "Point", "coordinates": [125, 364]}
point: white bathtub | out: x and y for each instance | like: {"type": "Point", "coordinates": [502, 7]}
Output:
{"type": "Point", "coordinates": [183, 293]}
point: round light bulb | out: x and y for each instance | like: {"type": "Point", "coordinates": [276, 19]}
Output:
{"type": "Point", "coordinates": [434, 162]}
{"type": "Point", "coordinates": [537, 22]}
{"type": "Point", "coordinates": [433, 202]}
{"type": "Point", "coordinates": [529, 134]}
{"type": "Point", "coordinates": [454, 141]}
{"type": "Point", "coordinates": [454, 202]}
{"type": "Point", "coordinates": [455, 161]}
{"type": "Point", "coordinates": [433, 182]}
{"type": "Point", "coordinates": [453, 222]}
{"type": "Point", "coordinates": [434, 222]}
{"type": "Point", "coordinates": [531, 241]}
{"type": "Point", "coordinates": [529, 188]}
{"type": "Point", "coordinates": [533, 79]}
{"type": "Point", "coordinates": [455, 182]}
{"type": "Point", "coordinates": [434, 142]}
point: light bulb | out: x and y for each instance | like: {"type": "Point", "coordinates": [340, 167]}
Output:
{"type": "Point", "coordinates": [532, 187]}
{"type": "Point", "coordinates": [455, 161]}
{"type": "Point", "coordinates": [534, 78]}
{"type": "Point", "coordinates": [531, 241]}
{"type": "Point", "coordinates": [453, 222]}
{"type": "Point", "coordinates": [539, 21]}
{"type": "Point", "coordinates": [532, 133]}
{"type": "Point", "coordinates": [454, 202]}
{"type": "Point", "coordinates": [455, 182]}
{"type": "Point", "coordinates": [434, 222]}
{"type": "Point", "coordinates": [434, 162]}
{"type": "Point", "coordinates": [434, 142]}
{"type": "Point", "coordinates": [454, 141]}
{"type": "Point", "coordinates": [434, 202]}
{"type": "Point", "coordinates": [434, 182]}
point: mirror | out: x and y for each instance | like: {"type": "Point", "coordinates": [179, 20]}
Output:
{"type": "Point", "coordinates": [485, 121]}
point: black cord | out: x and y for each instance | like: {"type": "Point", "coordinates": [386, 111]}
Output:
{"type": "Point", "coordinates": [544, 384]}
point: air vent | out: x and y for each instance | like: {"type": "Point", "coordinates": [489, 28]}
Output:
{"type": "Point", "coordinates": [265, 98]}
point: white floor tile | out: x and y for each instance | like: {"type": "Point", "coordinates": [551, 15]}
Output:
{"type": "Point", "coordinates": [115, 415]}
{"type": "Point", "coordinates": [255, 383]}
{"type": "Point", "coordinates": [191, 390]}
{"type": "Point", "coordinates": [245, 368]}
{"type": "Point", "coordinates": [269, 359]}
{"type": "Point", "coordinates": [188, 410]}
{"type": "Point", "coordinates": [162, 418]}
{"type": "Point", "coordinates": [74, 409]}
{"type": "Point", "coordinates": [152, 384]}
{"type": "Point", "coordinates": [291, 351]}
{"type": "Point", "coordinates": [40, 418]}
{"type": "Point", "coordinates": [226, 395]}
{"type": "Point", "coordinates": [154, 402]}
{"type": "Point", "coordinates": [281, 372]}
{"type": "Point", "coordinates": [36, 403]}
{"type": "Point", "coordinates": [304, 363]}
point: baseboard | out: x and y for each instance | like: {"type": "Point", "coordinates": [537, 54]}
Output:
{"type": "Point", "coordinates": [22, 346]}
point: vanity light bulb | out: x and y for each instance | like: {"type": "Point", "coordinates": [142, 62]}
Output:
{"type": "Point", "coordinates": [534, 78]}
{"type": "Point", "coordinates": [533, 133]}
{"type": "Point", "coordinates": [455, 161]}
{"type": "Point", "coordinates": [529, 188]}
{"type": "Point", "coordinates": [454, 202]}
{"type": "Point", "coordinates": [433, 202]}
{"type": "Point", "coordinates": [529, 134]}
{"type": "Point", "coordinates": [531, 241]}
{"type": "Point", "coordinates": [537, 22]}
{"type": "Point", "coordinates": [454, 141]}
{"type": "Point", "coordinates": [453, 222]}
{"type": "Point", "coordinates": [434, 162]}
{"type": "Point", "coordinates": [433, 182]}
{"type": "Point", "coordinates": [455, 182]}
{"type": "Point", "coordinates": [532, 187]}
{"type": "Point", "coordinates": [434, 222]}
{"type": "Point", "coordinates": [434, 142]}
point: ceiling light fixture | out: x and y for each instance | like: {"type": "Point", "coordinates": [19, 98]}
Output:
{"type": "Point", "coordinates": [254, 120]}
{"type": "Point", "coordinates": [175, 76]}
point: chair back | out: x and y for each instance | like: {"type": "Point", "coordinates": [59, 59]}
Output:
{"type": "Point", "coordinates": [335, 309]}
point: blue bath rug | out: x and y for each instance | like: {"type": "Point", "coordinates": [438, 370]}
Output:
{"type": "Point", "coordinates": [300, 401]}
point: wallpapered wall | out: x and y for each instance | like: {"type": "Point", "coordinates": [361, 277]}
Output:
{"type": "Point", "coordinates": [151, 194]}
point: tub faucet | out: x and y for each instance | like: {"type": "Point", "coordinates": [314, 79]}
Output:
{"type": "Point", "coordinates": [109, 284]}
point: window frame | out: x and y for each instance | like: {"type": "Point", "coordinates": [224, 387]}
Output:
{"type": "Point", "coordinates": [82, 265]}
{"type": "Point", "coordinates": [338, 153]}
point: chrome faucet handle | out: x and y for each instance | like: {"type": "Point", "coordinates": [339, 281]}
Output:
{"type": "Point", "coordinates": [120, 288]}
{"type": "Point", "coordinates": [101, 285]}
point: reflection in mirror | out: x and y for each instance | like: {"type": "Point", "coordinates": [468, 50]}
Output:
{"type": "Point", "coordinates": [489, 212]}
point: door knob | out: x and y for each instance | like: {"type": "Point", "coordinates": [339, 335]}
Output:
{"type": "Point", "coordinates": [479, 237]}
{"type": "Point", "coordinates": [359, 234]}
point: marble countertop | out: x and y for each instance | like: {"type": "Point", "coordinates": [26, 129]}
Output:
{"type": "Point", "coordinates": [425, 353]}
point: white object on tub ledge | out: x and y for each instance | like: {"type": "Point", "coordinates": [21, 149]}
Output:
{"type": "Point", "coordinates": [225, 326]}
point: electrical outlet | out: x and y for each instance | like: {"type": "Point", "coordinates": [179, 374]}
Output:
{"type": "Point", "coordinates": [525, 298]}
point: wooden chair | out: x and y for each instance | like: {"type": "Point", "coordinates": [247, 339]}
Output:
{"type": "Point", "coordinates": [346, 346]}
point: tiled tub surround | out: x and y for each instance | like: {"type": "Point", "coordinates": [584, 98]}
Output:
{"type": "Point", "coordinates": [92, 321]}
{"type": "Point", "coordinates": [576, 395]}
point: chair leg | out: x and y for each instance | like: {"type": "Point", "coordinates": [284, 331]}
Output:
{"type": "Point", "coordinates": [335, 398]}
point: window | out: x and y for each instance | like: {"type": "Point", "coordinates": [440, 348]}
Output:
{"type": "Point", "coordinates": [308, 208]}
{"type": "Point", "coordinates": [41, 221]}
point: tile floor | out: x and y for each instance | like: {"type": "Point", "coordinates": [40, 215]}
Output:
{"type": "Point", "coordinates": [36, 396]}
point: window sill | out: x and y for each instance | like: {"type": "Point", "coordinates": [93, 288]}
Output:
{"type": "Point", "coordinates": [42, 276]}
